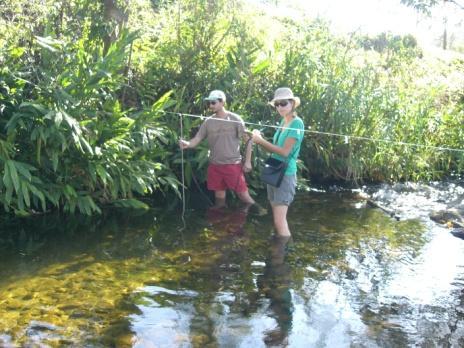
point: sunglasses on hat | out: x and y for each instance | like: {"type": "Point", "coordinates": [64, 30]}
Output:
{"type": "Point", "coordinates": [282, 103]}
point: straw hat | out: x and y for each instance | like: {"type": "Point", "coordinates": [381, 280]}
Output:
{"type": "Point", "coordinates": [284, 93]}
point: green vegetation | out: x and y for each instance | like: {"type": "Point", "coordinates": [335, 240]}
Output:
{"type": "Point", "coordinates": [83, 85]}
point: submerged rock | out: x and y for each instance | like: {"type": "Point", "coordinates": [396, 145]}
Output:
{"type": "Point", "coordinates": [42, 326]}
{"type": "Point", "coordinates": [390, 212]}
{"type": "Point", "coordinates": [458, 232]}
{"type": "Point", "coordinates": [451, 217]}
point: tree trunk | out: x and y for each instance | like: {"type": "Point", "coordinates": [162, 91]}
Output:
{"type": "Point", "coordinates": [115, 19]}
{"type": "Point", "coordinates": [445, 25]}
{"type": "Point", "coordinates": [445, 39]}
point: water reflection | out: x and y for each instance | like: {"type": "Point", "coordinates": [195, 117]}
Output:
{"type": "Point", "coordinates": [275, 283]}
{"type": "Point", "coordinates": [351, 276]}
{"type": "Point", "coordinates": [167, 316]}
{"type": "Point", "coordinates": [226, 220]}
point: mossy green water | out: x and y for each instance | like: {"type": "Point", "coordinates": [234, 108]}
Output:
{"type": "Point", "coordinates": [100, 282]}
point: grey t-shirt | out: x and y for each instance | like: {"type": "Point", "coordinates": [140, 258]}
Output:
{"type": "Point", "coordinates": [223, 136]}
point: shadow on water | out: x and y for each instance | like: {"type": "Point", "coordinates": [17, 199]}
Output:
{"type": "Point", "coordinates": [349, 276]}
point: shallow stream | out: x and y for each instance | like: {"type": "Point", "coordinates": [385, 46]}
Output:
{"type": "Point", "coordinates": [351, 276]}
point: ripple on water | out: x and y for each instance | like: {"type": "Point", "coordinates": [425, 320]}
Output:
{"type": "Point", "coordinates": [350, 276]}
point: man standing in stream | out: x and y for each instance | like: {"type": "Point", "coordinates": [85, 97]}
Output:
{"type": "Point", "coordinates": [224, 132]}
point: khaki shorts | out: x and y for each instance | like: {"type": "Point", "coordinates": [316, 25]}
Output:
{"type": "Point", "coordinates": [284, 194]}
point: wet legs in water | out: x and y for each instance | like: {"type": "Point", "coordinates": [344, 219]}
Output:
{"type": "Point", "coordinates": [220, 198]}
{"type": "Point", "coordinates": [276, 282]}
{"type": "Point", "coordinates": [279, 213]}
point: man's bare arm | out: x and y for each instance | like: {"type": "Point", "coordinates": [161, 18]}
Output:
{"type": "Point", "coordinates": [248, 150]}
{"type": "Point", "coordinates": [190, 144]}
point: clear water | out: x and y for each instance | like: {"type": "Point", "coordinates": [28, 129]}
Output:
{"type": "Point", "coordinates": [351, 276]}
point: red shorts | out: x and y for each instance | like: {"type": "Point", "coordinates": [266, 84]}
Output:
{"type": "Point", "coordinates": [226, 176]}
